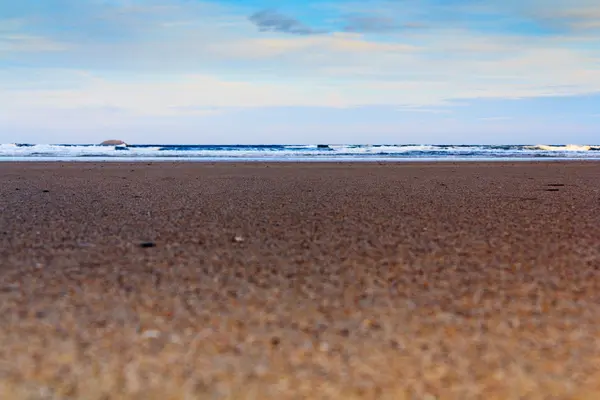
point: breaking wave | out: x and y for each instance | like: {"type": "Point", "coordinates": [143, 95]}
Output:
{"type": "Point", "coordinates": [293, 152]}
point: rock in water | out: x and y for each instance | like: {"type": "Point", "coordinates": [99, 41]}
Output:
{"type": "Point", "coordinates": [113, 142]}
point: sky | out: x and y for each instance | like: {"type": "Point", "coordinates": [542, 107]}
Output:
{"type": "Point", "coordinates": [300, 71]}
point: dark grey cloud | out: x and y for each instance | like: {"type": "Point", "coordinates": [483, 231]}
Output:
{"type": "Point", "coordinates": [273, 21]}
{"type": "Point", "coordinates": [376, 24]}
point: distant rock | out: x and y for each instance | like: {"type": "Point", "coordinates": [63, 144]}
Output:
{"type": "Point", "coordinates": [323, 146]}
{"type": "Point", "coordinates": [113, 143]}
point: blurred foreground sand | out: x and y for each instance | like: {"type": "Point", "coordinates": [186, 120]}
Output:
{"type": "Point", "coordinates": [382, 281]}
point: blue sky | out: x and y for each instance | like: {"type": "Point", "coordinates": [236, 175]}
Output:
{"type": "Point", "coordinates": [266, 71]}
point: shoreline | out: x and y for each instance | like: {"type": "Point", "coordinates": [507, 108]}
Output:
{"type": "Point", "coordinates": [347, 160]}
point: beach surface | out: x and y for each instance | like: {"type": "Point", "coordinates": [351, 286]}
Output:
{"type": "Point", "coordinates": [292, 281]}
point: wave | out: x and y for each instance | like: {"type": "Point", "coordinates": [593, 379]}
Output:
{"type": "Point", "coordinates": [568, 147]}
{"type": "Point", "coordinates": [346, 151]}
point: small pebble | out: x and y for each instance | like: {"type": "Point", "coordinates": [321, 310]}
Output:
{"type": "Point", "coordinates": [152, 334]}
{"type": "Point", "coordinates": [261, 370]}
{"type": "Point", "coordinates": [238, 239]}
{"type": "Point", "coordinates": [147, 245]}
{"type": "Point", "coordinates": [46, 191]}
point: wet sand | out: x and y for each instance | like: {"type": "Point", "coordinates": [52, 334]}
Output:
{"type": "Point", "coordinates": [258, 281]}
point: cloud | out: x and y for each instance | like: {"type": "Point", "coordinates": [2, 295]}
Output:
{"type": "Point", "coordinates": [413, 109]}
{"type": "Point", "coordinates": [187, 95]}
{"type": "Point", "coordinates": [377, 24]}
{"type": "Point", "coordinates": [172, 60]}
{"type": "Point", "coordinates": [10, 25]}
{"type": "Point", "coordinates": [10, 43]}
{"type": "Point", "coordinates": [326, 48]}
{"type": "Point", "coordinates": [552, 17]}
{"type": "Point", "coordinates": [273, 21]}
{"type": "Point", "coordinates": [495, 118]}
{"type": "Point", "coordinates": [577, 18]}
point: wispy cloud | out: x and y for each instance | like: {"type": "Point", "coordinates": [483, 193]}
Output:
{"type": "Point", "coordinates": [581, 15]}
{"type": "Point", "coordinates": [273, 21]}
{"type": "Point", "coordinates": [377, 24]}
{"type": "Point", "coordinates": [29, 43]}
{"type": "Point", "coordinates": [327, 48]}
{"type": "Point", "coordinates": [426, 110]}
{"type": "Point", "coordinates": [495, 118]}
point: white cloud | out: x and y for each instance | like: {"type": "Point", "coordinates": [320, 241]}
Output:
{"type": "Point", "coordinates": [426, 110]}
{"type": "Point", "coordinates": [577, 15]}
{"type": "Point", "coordinates": [202, 57]}
{"type": "Point", "coordinates": [325, 45]}
{"type": "Point", "coordinates": [187, 95]}
{"type": "Point", "coordinates": [10, 43]}
{"type": "Point", "coordinates": [495, 118]}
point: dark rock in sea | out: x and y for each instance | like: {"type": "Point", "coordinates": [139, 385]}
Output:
{"type": "Point", "coordinates": [113, 142]}
{"type": "Point", "coordinates": [323, 146]}
{"type": "Point", "coordinates": [147, 245]}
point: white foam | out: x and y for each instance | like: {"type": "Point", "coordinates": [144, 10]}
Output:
{"type": "Point", "coordinates": [62, 152]}
{"type": "Point", "coordinates": [568, 147]}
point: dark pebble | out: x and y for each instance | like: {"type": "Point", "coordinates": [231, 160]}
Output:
{"type": "Point", "coordinates": [46, 191]}
{"type": "Point", "coordinates": [17, 189]}
{"type": "Point", "coordinates": [275, 341]}
{"type": "Point", "coordinates": [556, 184]}
{"type": "Point", "coordinates": [552, 190]}
{"type": "Point", "coordinates": [147, 245]}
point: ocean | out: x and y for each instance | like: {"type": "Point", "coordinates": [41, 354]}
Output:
{"type": "Point", "coordinates": [404, 152]}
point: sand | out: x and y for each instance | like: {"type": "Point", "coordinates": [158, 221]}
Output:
{"type": "Point", "coordinates": [291, 281]}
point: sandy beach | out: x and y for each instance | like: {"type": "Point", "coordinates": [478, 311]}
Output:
{"type": "Point", "coordinates": [300, 281]}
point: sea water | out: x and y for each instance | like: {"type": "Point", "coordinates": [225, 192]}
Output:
{"type": "Point", "coordinates": [401, 152]}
